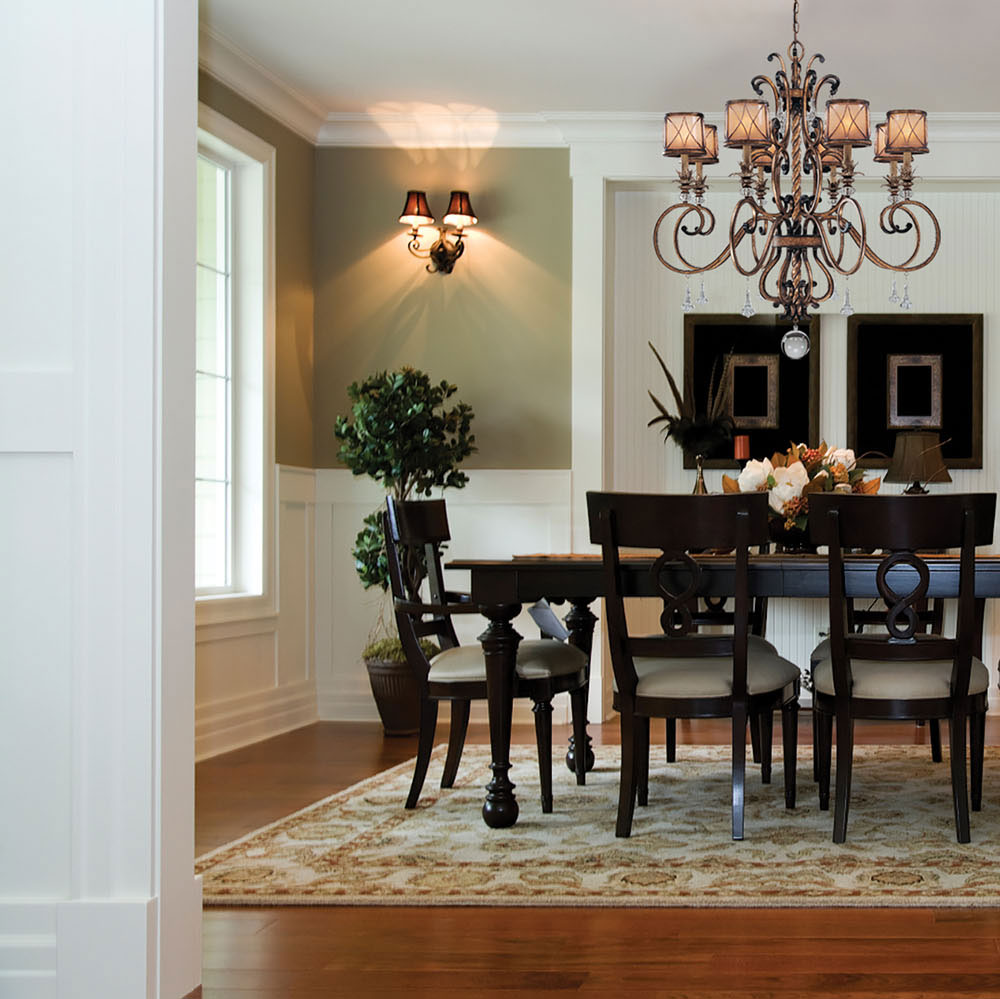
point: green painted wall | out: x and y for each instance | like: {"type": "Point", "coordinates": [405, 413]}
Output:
{"type": "Point", "coordinates": [294, 211]}
{"type": "Point", "coordinates": [498, 326]}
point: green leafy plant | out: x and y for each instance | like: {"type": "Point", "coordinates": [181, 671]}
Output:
{"type": "Point", "coordinates": [391, 650]}
{"type": "Point", "coordinates": [401, 433]}
{"type": "Point", "coordinates": [696, 431]}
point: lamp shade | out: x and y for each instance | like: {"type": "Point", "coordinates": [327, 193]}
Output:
{"type": "Point", "coordinates": [881, 154]}
{"type": "Point", "coordinates": [746, 124]}
{"type": "Point", "coordinates": [415, 211]}
{"type": "Point", "coordinates": [711, 154]}
{"type": "Point", "coordinates": [847, 123]}
{"type": "Point", "coordinates": [684, 132]}
{"type": "Point", "coordinates": [460, 211]}
{"type": "Point", "coordinates": [917, 458]}
{"type": "Point", "coordinates": [906, 132]}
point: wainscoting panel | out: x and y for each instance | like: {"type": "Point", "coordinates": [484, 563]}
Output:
{"type": "Point", "coordinates": [498, 513]}
{"type": "Point", "coordinates": [646, 306]}
{"type": "Point", "coordinates": [255, 677]}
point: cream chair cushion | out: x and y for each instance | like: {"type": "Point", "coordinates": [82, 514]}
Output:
{"type": "Point", "coordinates": [713, 676]}
{"type": "Point", "coordinates": [536, 659]}
{"type": "Point", "coordinates": [889, 680]}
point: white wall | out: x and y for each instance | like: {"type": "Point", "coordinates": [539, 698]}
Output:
{"type": "Point", "coordinates": [255, 676]}
{"type": "Point", "coordinates": [97, 894]}
{"type": "Point", "coordinates": [498, 513]}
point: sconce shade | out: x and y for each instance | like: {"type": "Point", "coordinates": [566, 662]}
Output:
{"type": "Point", "coordinates": [460, 211]}
{"type": "Point", "coordinates": [906, 132]}
{"type": "Point", "coordinates": [684, 132]}
{"type": "Point", "coordinates": [746, 124]}
{"type": "Point", "coordinates": [847, 123]}
{"type": "Point", "coordinates": [415, 211]}
{"type": "Point", "coordinates": [711, 154]}
{"type": "Point", "coordinates": [881, 155]}
{"type": "Point", "coordinates": [917, 458]}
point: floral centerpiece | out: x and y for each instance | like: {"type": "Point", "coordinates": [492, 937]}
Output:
{"type": "Point", "coordinates": [790, 478]}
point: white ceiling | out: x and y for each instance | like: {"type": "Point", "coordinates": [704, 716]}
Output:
{"type": "Point", "coordinates": [530, 56]}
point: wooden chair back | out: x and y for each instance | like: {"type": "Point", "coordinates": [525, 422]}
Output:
{"type": "Point", "coordinates": [902, 527]}
{"type": "Point", "coordinates": [414, 531]}
{"type": "Point", "coordinates": [672, 526]}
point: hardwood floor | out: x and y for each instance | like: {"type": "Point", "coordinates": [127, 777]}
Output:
{"type": "Point", "coordinates": [305, 953]}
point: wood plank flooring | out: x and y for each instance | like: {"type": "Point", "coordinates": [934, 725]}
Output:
{"type": "Point", "coordinates": [305, 953]}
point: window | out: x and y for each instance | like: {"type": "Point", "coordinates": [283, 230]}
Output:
{"type": "Point", "coordinates": [234, 453]}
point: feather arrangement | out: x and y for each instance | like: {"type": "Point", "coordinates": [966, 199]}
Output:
{"type": "Point", "coordinates": [696, 431]}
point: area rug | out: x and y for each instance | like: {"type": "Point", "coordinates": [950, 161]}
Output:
{"type": "Point", "coordinates": [361, 847]}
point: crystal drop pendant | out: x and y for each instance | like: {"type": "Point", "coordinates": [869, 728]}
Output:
{"type": "Point", "coordinates": [847, 309]}
{"type": "Point", "coordinates": [748, 310]}
{"type": "Point", "coordinates": [795, 343]}
{"type": "Point", "coordinates": [893, 295]}
{"type": "Point", "coordinates": [834, 295]}
{"type": "Point", "coordinates": [906, 303]}
{"type": "Point", "coordinates": [687, 305]}
{"type": "Point", "coordinates": [702, 297]}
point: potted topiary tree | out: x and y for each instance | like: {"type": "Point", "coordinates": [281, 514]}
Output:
{"type": "Point", "coordinates": [402, 435]}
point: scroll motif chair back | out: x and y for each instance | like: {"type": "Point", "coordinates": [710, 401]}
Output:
{"type": "Point", "coordinates": [658, 675]}
{"type": "Point", "coordinates": [414, 533]}
{"type": "Point", "coordinates": [861, 664]}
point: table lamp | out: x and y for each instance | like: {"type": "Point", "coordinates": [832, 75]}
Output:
{"type": "Point", "coordinates": [916, 459]}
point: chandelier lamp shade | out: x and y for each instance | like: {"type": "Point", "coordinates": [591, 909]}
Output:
{"type": "Point", "coordinates": [797, 226]}
{"type": "Point", "coordinates": [449, 245]}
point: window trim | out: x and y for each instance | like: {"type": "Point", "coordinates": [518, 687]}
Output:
{"type": "Point", "coordinates": [243, 601]}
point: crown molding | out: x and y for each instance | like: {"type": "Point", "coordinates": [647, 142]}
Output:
{"type": "Point", "coordinates": [231, 66]}
{"type": "Point", "coordinates": [416, 130]}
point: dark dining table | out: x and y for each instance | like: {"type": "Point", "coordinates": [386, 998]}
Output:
{"type": "Point", "coordinates": [501, 586]}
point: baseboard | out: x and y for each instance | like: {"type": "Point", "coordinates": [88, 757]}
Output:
{"type": "Point", "coordinates": [29, 951]}
{"type": "Point", "coordinates": [239, 721]}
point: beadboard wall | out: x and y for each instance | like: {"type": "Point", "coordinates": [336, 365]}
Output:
{"type": "Point", "coordinates": [645, 305]}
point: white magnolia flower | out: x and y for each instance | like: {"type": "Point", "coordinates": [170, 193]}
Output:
{"type": "Point", "coordinates": [788, 485]}
{"type": "Point", "coordinates": [753, 478]}
{"type": "Point", "coordinates": [840, 456]}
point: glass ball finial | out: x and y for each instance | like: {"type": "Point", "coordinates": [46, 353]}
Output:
{"type": "Point", "coordinates": [795, 344]}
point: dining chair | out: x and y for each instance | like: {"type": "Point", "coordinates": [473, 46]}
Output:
{"type": "Point", "coordinates": [415, 532]}
{"type": "Point", "coordinates": [901, 672]}
{"type": "Point", "coordinates": [681, 673]}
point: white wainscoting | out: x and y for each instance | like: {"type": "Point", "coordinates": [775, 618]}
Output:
{"type": "Point", "coordinates": [499, 513]}
{"type": "Point", "coordinates": [255, 676]}
{"type": "Point", "coordinates": [645, 305]}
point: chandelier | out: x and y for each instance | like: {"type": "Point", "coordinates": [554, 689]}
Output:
{"type": "Point", "coordinates": [790, 229]}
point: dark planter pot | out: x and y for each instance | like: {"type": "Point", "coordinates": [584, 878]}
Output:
{"type": "Point", "coordinates": [397, 696]}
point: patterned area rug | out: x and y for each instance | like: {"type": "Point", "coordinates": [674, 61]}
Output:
{"type": "Point", "coordinates": [361, 847]}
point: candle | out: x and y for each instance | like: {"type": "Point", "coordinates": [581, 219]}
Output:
{"type": "Point", "coordinates": [741, 447]}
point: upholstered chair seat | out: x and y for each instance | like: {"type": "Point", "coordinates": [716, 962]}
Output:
{"type": "Point", "coordinates": [902, 680]}
{"type": "Point", "coordinates": [536, 659]}
{"type": "Point", "coordinates": [711, 677]}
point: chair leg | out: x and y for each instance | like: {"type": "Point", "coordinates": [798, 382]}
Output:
{"type": "Point", "coordinates": [845, 764]}
{"type": "Point", "coordinates": [671, 740]}
{"type": "Point", "coordinates": [739, 766]}
{"type": "Point", "coordinates": [959, 789]}
{"type": "Point", "coordinates": [456, 741]}
{"type": "Point", "coordinates": [755, 739]}
{"type": "Point", "coordinates": [578, 707]}
{"type": "Point", "coordinates": [642, 759]}
{"type": "Point", "coordinates": [816, 722]}
{"type": "Point", "coordinates": [823, 736]}
{"type": "Point", "coordinates": [543, 738]}
{"type": "Point", "coordinates": [935, 729]}
{"type": "Point", "coordinates": [764, 722]}
{"type": "Point", "coordinates": [627, 782]}
{"type": "Point", "coordinates": [790, 745]}
{"type": "Point", "coordinates": [425, 743]}
{"type": "Point", "coordinates": [977, 745]}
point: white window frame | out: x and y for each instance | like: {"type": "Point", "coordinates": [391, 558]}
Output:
{"type": "Point", "coordinates": [252, 592]}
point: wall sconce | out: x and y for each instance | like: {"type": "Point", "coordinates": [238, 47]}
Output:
{"type": "Point", "coordinates": [444, 251]}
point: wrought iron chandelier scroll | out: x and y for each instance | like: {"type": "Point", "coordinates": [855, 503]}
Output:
{"type": "Point", "coordinates": [789, 229]}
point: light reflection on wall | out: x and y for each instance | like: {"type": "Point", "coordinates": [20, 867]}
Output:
{"type": "Point", "coordinates": [460, 133]}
